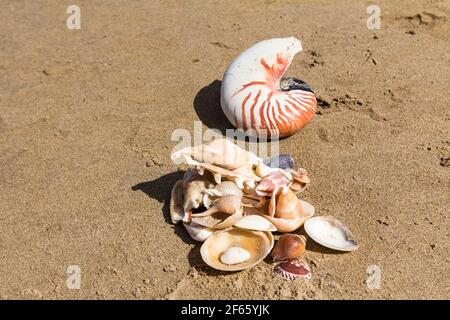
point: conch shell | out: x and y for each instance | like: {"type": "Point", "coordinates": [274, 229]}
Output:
{"type": "Point", "coordinates": [218, 152]}
{"type": "Point", "coordinates": [254, 95]}
{"type": "Point", "coordinates": [224, 159]}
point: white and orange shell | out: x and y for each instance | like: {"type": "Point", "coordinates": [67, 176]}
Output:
{"type": "Point", "coordinates": [253, 97]}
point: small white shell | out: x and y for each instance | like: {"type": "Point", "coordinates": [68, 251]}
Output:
{"type": "Point", "coordinates": [331, 233]}
{"type": "Point", "coordinates": [198, 232]}
{"type": "Point", "coordinates": [234, 255]}
{"type": "Point", "coordinates": [256, 222]}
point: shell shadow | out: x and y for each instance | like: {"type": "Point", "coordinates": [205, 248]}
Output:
{"type": "Point", "coordinates": [208, 108]}
{"type": "Point", "coordinates": [160, 189]}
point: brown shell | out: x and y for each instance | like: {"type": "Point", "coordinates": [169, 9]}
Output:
{"type": "Point", "coordinates": [289, 246]}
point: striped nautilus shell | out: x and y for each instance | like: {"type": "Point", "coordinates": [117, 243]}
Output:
{"type": "Point", "coordinates": [255, 96]}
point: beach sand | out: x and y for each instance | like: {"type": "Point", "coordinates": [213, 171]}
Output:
{"type": "Point", "coordinates": [86, 118]}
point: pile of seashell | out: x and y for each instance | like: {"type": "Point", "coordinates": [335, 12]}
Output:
{"type": "Point", "coordinates": [232, 201]}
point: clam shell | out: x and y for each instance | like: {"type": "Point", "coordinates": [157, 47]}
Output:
{"type": "Point", "coordinates": [257, 243]}
{"type": "Point", "coordinates": [234, 255]}
{"type": "Point", "coordinates": [198, 232]}
{"type": "Point", "coordinates": [255, 222]}
{"type": "Point", "coordinates": [331, 233]}
{"type": "Point", "coordinates": [176, 203]}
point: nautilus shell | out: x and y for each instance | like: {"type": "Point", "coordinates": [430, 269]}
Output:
{"type": "Point", "coordinates": [255, 97]}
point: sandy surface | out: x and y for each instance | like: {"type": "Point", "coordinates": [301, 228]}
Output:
{"type": "Point", "coordinates": [86, 118]}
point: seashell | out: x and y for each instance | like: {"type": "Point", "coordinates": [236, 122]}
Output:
{"type": "Point", "coordinates": [272, 181]}
{"type": "Point", "coordinates": [224, 213]}
{"type": "Point", "coordinates": [331, 233]}
{"type": "Point", "coordinates": [218, 152]}
{"type": "Point", "coordinates": [255, 222]}
{"type": "Point", "coordinates": [285, 204]}
{"type": "Point", "coordinates": [242, 177]}
{"type": "Point", "coordinates": [300, 176]}
{"type": "Point", "coordinates": [194, 186]}
{"type": "Point", "coordinates": [263, 170]}
{"type": "Point", "coordinates": [286, 211]}
{"type": "Point", "coordinates": [282, 161]}
{"type": "Point", "coordinates": [288, 225]}
{"type": "Point", "coordinates": [228, 188]}
{"type": "Point", "coordinates": [176, 203]}
{"type": "Point", "coordinates": [234, 255]}
{"type": "Point", "coordinates": [198, 232]}
{"type": "Point", "coordinates": [223, 189]}
{"type": "Point", "coordinates": [293, 269]}
{"type": "Point", "coordinates": [257, 243]}
{"type": "Point", "coordinates": [254, 95]}
{"type": "Point", "coordinates": [289, 246]}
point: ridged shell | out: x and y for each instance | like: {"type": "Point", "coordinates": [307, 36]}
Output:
{"type": "Point", "coordinates": [293, 269]}
{"type": "Point", "coordinates": [253, 98]}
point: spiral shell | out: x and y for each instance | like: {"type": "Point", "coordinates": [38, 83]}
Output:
{"type": "Point", "coordinates": [254, 95]}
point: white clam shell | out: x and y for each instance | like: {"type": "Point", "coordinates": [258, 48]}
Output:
{"type": "Point", "coordinates": [198, 232]}
{"type": "Point", "coordinates": [331, 233]}
{"type": "Point", "coordinates": [176, 203]}
{"type": "Point", "coordinates": [234, 255]}
{"type": "Point", "coordinates": [256, 222]}
{"type": "Point", "coordinates": [251, 95]}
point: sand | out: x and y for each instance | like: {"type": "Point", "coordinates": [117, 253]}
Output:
{"type": "Point", "coordinates": [86, 118]}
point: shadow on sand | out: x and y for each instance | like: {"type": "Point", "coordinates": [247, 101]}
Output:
{"type": "Point", "coordinates": [208, 109]}
{"type": "Point", "coordinates": [160, 189]}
